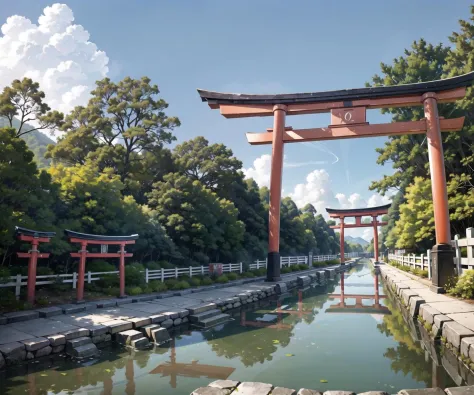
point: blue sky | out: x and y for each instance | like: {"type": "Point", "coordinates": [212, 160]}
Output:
{"type": "Point", "coordinates": [262, 47]}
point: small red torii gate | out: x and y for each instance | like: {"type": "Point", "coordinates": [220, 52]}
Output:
{"type": "Point", "coordinates": [34, 237]}
{"type": "Point", "coordinates": [85, 239]}
{"type": "Point", "coordinates": [358, 213]}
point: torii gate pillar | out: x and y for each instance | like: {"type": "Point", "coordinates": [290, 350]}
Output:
{"type": "Point", "coordinates": [442, 253]}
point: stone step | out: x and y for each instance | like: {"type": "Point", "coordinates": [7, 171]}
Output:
{"type": "Point", "coordinates": [78, 342]}
{"type": "Point", "coordinates": [201, 308]}
{"type": "Point", "coordinates": [146, 330]}
{"type": "Point", "coordinates": [160, 335]}
{"type": "Point", "coordinates": [204, 315]}
{"type": "Point", "coordinates": [84, 351]}
{"type": "Point", "coordinates": [140, 343]}
{"type": "Point", "coordinates": [212, 321]}
{"type": "Point", "coordinates": [126, 337]}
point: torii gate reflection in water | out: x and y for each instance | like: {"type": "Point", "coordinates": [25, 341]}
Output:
{"type": "Point", "coordinates": [358, 213]}
{"type": "Point", "coordinates": [348, 120]}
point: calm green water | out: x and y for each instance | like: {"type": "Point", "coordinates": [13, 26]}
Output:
{"type": "Point", "coordinates": [362, 344]}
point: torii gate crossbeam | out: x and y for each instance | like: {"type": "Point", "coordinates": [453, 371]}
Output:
{"type": "Point", "coordinates": [348, 120]}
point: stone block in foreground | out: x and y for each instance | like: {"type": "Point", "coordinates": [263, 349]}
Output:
{"type": "Point", "coordinates": [36, 343]}
{"type": "Point", "coordinates": [335, 392]}
{"type": "Point", "coordinates": [428, 313]}
{"type": "Point", "coordinates": [283, 391]}
{"type": "Point", "coordinates": [251, 388]}
{"type": "Point", "coordinates": [460, 390]}
{"type": "Point", "coordinates": [225, 384]}
{"type": "Point", "coordinates": [423, 391]}
{"type": "Point", "coordinates": [210, 391]}
{"type": "Point", "coordinates": [19, 316]}
{"type": "Point", "coordinates": [305, 391]}
{"type": "Point", "coordinates": [160, 335]}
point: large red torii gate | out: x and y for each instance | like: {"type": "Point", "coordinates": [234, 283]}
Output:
{"type": "Point", "coordinates": [348, 120]}
{"type": "Point", "coordinates": [358, 213]}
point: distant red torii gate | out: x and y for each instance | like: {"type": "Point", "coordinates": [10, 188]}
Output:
{"type": "Point", "coordinates": [348, 120]}
{"type": "Point", "coordinates": [358, 213]}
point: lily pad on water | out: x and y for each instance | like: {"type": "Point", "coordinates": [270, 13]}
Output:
{"type": "Point", "coordinates": [43, 375]}
{"type": "Point", "coordinates": [259, 348]}
{"type": "Point", "coordinates": [64, 374]}
{"type": "Point", "coordinates": [276, 341]}
{"type": "Point", "coordinates": [108, 370]}
{"type": "Point", "coordinates": [290, 355]}
{"type": "Point", "coordinates": [323, 381]}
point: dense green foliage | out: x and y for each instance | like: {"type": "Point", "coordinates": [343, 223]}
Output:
{"type": "Point", "coordinates": [411, 223]}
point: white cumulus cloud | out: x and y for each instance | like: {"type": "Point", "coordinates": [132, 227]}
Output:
{"type": "Point", "coordinates": [54, 52]}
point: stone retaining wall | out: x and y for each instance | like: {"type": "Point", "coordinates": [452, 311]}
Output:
{"type": "Point", "coordinates": [102, 334]}
{"type": "Point", "coordinates": [227, 387]}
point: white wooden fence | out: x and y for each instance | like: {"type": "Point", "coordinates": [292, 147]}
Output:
{"type": "Point", "coordinates": [423, 261]}
{"type": "Point", "coordinates": [19, 281]}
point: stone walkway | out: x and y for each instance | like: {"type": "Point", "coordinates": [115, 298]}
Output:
{"type": "Point", "coordinates": [121, 314]}
{"type": "Point", "coordinates": [451, 318]}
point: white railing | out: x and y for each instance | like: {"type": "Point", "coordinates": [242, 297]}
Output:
{"type": "Point", "coordinates": [468, 243]}
{"type": "Point", "coordinates": [422, 261]}
{"type": "Point", "coordinates": [19, 281]}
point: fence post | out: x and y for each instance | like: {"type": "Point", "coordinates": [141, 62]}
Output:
{"type": "Point", "coordinates": [422, 262]}
{"type": "Point", "coordinates": [89, 277]}
{"type": "Point", "coordinates": [241, 271]}
{"type": "Point", "coordinates": [202, 270]}
{"type": "Point", "coordinates": [266, 262]}
{"type": "Point", "coordinates": [190, 271]}
{"type": "Point", "coordinates": [176, 272]}
{"type": "Point", "coordinates": [428, 254]}
{"type": "Point", "coordinates": [457, 251]}
{"type": "Point", "coordinates": [18, 286]}
{"type": "Point", "coordinates": [146, 275]}
{"type": "Point", "coordinates": [162, 275]}
{"type": "Point", "coordinates": [74, 280]}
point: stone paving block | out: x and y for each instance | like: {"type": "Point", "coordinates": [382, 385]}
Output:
{"type": "Point", "coordinates": [99, 339]}
{"type": "Point", "coordinates": [75, 333]}
{"type": "Point", "coordinates": [10, 335]}
{"type": "Point", "coordinates": [49, 311]}
{"type": "Point", "coordinates": [58, 349]}
{"type": "Point", "coordinates": [72, 308]}
{"type": "Point", "coordinates": [453, 307]}
{"type": "Point", "coordinates": [415, 303]}
{"type": "Point", "coordinates": [97, 330]}
{"type": "Point", "coordinates": [11, 348]}
{"type": "Point", "coordinates": [138, 322]}
{"type": "Point", "coordinates": [440, 319]}
{"type": "Point", "coordinates": [406, 294]}
{"type": "Point", "coordinates": [146, 330]}
{"type": "Point", "coordinates": [90, 306]}
{"type": "Point", "coordinates": [224, 384]}
{"type": "Point", "coordinates": [466, 344]}
{"type": "Point", "coordinates": [332, 392]}
{"type": "Point", "coordinates": [140, 344]}
{"type": "Point", "coordinates": [167, 324]}
{"type": "Point", "coordinates": [305, 391]}
{"type": "Point", "coordinates": [122, 301]}
{"type": "Point", "coordinates": [57, 340]}
{"type": "Point", "coordinates": [283, 391]}
{"type": "Point", "coordinates": [20, 316]}
{"type": "Point", "coordinates": [160, 335]}
{"type": "Point", "coordinates": [171, 315]}
{"type": "Point", "coordinates": [16, 358]}
{"type": "Point", "coordinates": [116, 326]}
{"type": "Point", "coordinates": [468, 390]}
{"type": "Point", "coordinates": [428, 313]}
{"type": "Point", "coordinates": [35, 344]}
{"type": "Point", "coordinates": [454, 332]}
{"type": "Point", "coordinates": [143, 298]}
{"type": "Point", "coordinates": [374, 393]}
{"type": "Point", "coordinates": [183, 313]}
{"type": "Point", "coordinates": [126, 337]}
{"type": "Point", "coordinates": [105, 303]}
{"type": "Point", "coordinates": [42, 326]}
{"type": "Point", "coordinates": [201, 308]}
{"type": "Point", "coordinates": [77, 342]}
{"type": "Point", "coordinates": [42, 352]}
{"type": "Point", "coordinates": [253, 388]}
{"type": "Point", "coordinates": [177, 321]}
{"type": "Point", "coordinates": [465, 319]}
{"type": "Point", "coordinates": [423, 391]}
{"type": "Point", "coordinates": [158, 318]}
{"type": "Point", "coordinates": [209, 391]}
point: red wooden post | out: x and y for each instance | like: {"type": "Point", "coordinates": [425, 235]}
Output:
{"type": "Point", "coordinates": [81, 272]}
{"type": "Point", "coordinates": [122, 270]}
{"type": "Point", "coordinates": [31, 282]}
{"type": "Point", "coordinates": [341, 241]}
{"type": "Point", "coordinates": [376, 239]}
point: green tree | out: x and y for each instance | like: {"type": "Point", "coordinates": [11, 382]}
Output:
{"type": "Point", "coordinates": [201, 225]}
{"type": "Point", "coordinates": [120, 122]}
{"type": "Point", "coordinates": [26, 195]}
{"type": "Point", "coordinates": [25, 101]}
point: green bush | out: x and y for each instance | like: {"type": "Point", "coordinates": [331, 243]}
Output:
{"type": "Point", "coordinates": [285, 270]}
{"type": "Point", "coordinates": [247, 275]}
{"type": "Point", "coordinates": [44, 271]}
{"type": "Point", "coordinates": [133, 275]}
{"type": "Point", "coordinates": [4, 275]}
{"type": "Point", "coordinates": [171, 282]}
{"type": "Point", "coordinates": [195, 282]}
{"type": "Point", "coordinates": [222, 279]}
{"type": "Point", "coordinates": [99, 265]}
{"type": "Point", "coordinates": [133, 291]}
{"type": "Point", "coordinates": [152, 266]}
{"type": "Point", "coordinates": [294, 268]}
{"type": "Point", "coordinates": [464, 286]}
{"type": "Point", "coordinates": [424, 273]}
{"type": "Point", "coordinates": [207, 281]}
{"type": "Point", "coordinates": [158, 286]}
{"type": "Point", "coordinates": [259, 272]}
{"type": "Point", "coordinates": [181, 285]}
{"type": "Point", "coordinates": [42, 301]}
{"type": "Point", "coordinates": [108, 281]}
{"type": "Point", "coordinates": [303, 266]}
{"type": "Point", "coordinates": [113, 291]}
{"type": "Point", "coordinates": [232, 276]}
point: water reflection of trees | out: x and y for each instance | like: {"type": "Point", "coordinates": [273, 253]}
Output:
{"type": "Point", "coordinates": [408, 356]}
{"type": "Point", "coordinates": [257, 345]}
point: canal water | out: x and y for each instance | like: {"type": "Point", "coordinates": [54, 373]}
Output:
{"type": "Point", "coordinates": [347, 335]}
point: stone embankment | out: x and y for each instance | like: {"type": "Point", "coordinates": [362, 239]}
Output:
{"type": "Point", "coordinates": [227, 387]}
{"type": "Point", "coordinates": [80, 330]}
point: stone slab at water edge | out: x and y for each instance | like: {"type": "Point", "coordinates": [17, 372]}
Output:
{"type": "Point", "coordinates": [227, 387]}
